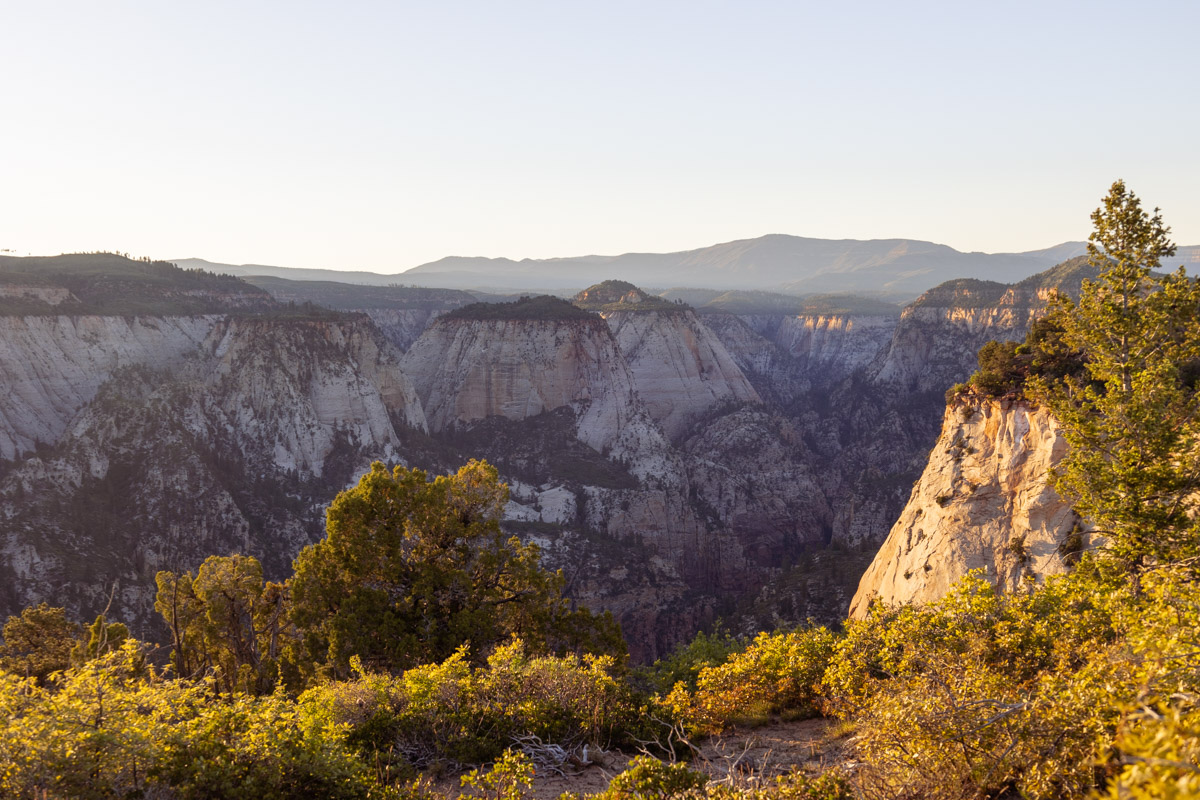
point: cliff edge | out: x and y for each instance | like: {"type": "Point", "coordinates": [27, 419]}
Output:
{"type": "Point", "coordinates": [984, 501]}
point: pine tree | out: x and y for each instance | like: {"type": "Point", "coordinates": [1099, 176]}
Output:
{"type": "Point", "coordinates": [1132, 422]}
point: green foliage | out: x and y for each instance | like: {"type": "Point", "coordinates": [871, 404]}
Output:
{"type": "Point", "coordinates": [962, 293]}
{"type": "Point", "coordinates": [542, 307]}
{"type": "Point", "coordinates": [102, 637]}
{"type": "Point", "coordinates": [982, 693]}
{"type": "Point", "coordinates": [777, 673]}
{"type": "Point", "coordinates": [353, 296]}
{"type": "Point", "coordinates": [647, 778]}
{"type": "Point", "coordinates": [999, 371]}
{"type": "Point", "coordinates": [1133, 422]}
{"type": "Point", "coordinates": [110, 283]}
{"type": "Point", "coordinates": [226, 622]}
{"type": "Point", "coordinates": [411, 569]}
{"type": "Point", "coordinates": [38, 641]}
{"type": "Point", "coordinates": [1160, 752]}
{"type": "Point", "coordinates": [611, 295]}
{"type": "Point", "coordinates": [113, 728]}
{"type": "Point", "coordinates": [1006, 367]}
{"type": "Point", "coordinates": [508, 779]}
{"type": "Point", "coordinates": [686, 662]}
{"type": "Point", "coordinates": [451, 713]}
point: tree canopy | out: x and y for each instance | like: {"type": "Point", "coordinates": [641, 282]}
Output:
{"type": "Point", "coordinates": [411, 569]}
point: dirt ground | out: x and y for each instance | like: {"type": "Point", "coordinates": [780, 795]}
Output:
{"type": "Point", "coordinates": [741, 755]}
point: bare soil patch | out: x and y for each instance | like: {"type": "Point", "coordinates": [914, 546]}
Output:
{"type": "Point", "coordinates": [739, 756]}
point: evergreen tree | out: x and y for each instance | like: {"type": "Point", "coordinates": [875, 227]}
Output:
{"type": "Point", "coordinates": [226, 619]}
{"type": "Point", "coordinates": [1132, 422]}
{"type": "Point", "coordinates": [411, 569]}
{"type": "Point", "coordinates": [38, 641]}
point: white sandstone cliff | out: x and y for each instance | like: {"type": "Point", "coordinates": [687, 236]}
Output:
{"type": "Point", "coordinates": [680, 368]}
{"type": "Point", "coordinates": [51, 366]}
{"type": "Point", "coordinates": [983, 502]}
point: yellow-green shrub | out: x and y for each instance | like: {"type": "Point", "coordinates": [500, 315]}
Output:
{"type": "Point", "coordinates": [112, 728]}
{"type": "Point", "coordinates": [778, 672]}
{"type": "Point", "coordinates": [457, 715]}
{"type": "Point", "coordinates": [980, 694]}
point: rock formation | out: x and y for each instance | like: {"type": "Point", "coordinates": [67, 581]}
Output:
{"type": "Point", "coordinates": [985, 501]}
{"type": "Point", "coordinates": [676, 466]}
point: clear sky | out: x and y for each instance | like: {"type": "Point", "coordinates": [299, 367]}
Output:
{"type": "Point", "coordinates": [380, 135]}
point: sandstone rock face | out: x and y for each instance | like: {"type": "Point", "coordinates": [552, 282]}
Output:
{"type": "Point", "coordinates": [773, 372]}
{"type": "Point", "coordinates": [52, 366]}
{"type": "Point", "coordinates": [844, 342]}
{"type": "Point", "coordinates": [983, 502]}
{"type": "Point", "coordinates": [938, 336]}
{"type": "Point", "coordinates": [467, 370]}
{"type": "Point", "coordinates": [235, 445]}
{"type": "Point", "coordinates": [680, 368]}
{"type": "Point", "coordinates": [279, 396]}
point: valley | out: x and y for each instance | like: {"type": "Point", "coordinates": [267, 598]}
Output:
{"type": "Point", "coordinates": [679, 464]}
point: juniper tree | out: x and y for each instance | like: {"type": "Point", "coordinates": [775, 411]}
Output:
{"type": "Point", "coordinates": [411, 569]}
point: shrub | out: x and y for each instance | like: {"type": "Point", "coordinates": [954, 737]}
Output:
{"type": "Point", "coordinates": [982, 694]}
{"type": "Point", "coordinates": [112, 727]}
{"type": "Point", "coordinates": [777, 673]}
{"type": "Point", "coordinates": [508, 779]}
{"type": "Point", "coordinates": [647, 778]}
{"type": "Point", "coordinates": [454, 715]}
{"type": "Point", "coordinates": [685, 663]}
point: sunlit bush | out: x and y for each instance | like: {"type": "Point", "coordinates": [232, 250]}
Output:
{"type": "Point", "coordinates": [980, 694]}
{"type": "Point", "coordinates": [777, 673]}
{"type": "Point", "coordinates": [113, 728]}
{"type": "Point", "coordinates": [453, 715]}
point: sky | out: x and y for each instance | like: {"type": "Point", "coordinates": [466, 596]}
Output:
{"type": "Point", "coordinates": [382, 135]}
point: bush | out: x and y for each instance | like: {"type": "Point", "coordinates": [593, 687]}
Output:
{"type": "Point", "coordinates": [982, 694]}
{"type": "Point", "coordinates": [113, 728]}
{"type": "Point", "coordinates": [453, 715]}
{"type": "Point", "coordinates": [777, 673]}
{"type": "Point", "coordinates": [685, 663]}
{"type": "Point", "coordinates": [647, 778]}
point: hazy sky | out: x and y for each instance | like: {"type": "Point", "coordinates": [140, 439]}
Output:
{"type": "Point", "coordinates": [380, 135]}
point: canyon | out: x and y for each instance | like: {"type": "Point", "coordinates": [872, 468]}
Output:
{"type": "Point", "coordinates": [679, 465]}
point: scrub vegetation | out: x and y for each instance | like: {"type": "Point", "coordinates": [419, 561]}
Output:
{"type": "Point", "coordinates": [418, 640]}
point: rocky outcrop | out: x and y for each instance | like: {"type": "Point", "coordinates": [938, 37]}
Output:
{"type": "Point", "coordinates": [290, 389]}
{"type": "Point", "coordinates": [236, 445]}
{"type": "Point", "coordinates": [935, 343]}
{"type": "Point", "coordinates": [984, 502]}
{"type": "Point", "coordinates": [467, 370]}
{"type": "Point", "coordinates": [843, 343]}
{"type": "Point", "coordinates": [52, 366]}
{"type": "Point", "coordinates": [680, 368]}
{"type": "Point", "coordinates": [752, 472]}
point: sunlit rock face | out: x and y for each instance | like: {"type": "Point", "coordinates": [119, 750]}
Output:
{"type": "Point", "coordinates": [984, 502]}
{"type": "Point", "coordinates": [941, 332]}
{"type": "Point", "coordinates": [840, 342]}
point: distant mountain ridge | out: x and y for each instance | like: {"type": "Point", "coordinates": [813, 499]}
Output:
{"type": "Point", "coordinates": [890, 269]}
